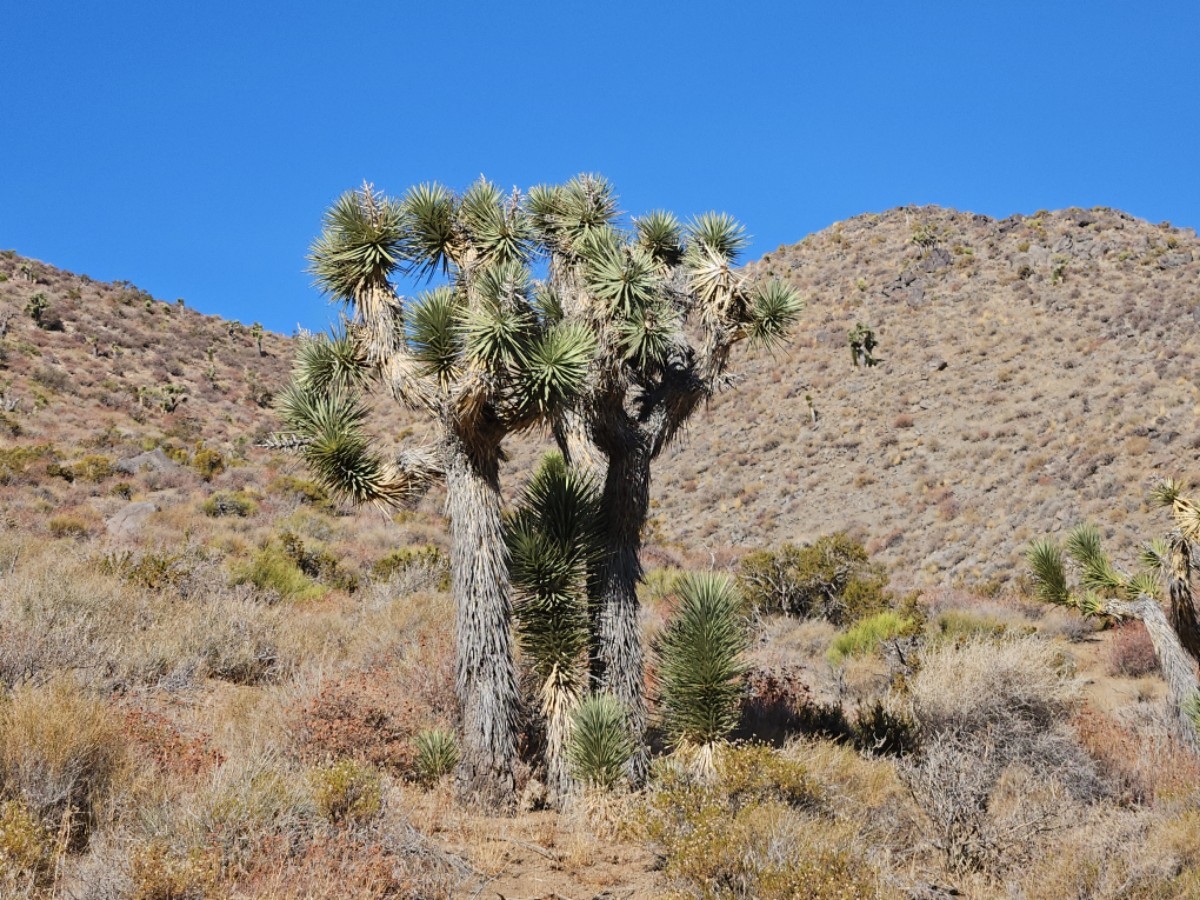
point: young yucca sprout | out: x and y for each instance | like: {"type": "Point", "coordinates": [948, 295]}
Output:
{"type": "Point", "coordinates": [437, 754]}
{"type": "Point", "coordinates": [600, 743]}
{"type": "Point", "coordinates": [700, 666]}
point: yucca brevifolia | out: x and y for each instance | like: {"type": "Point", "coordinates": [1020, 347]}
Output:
{"type": "Point", "coordinates": [700, 666]}
{"type": "Point", "coordinates": [1104, 590]}
{"type": "Point", "coordinates": [554, 541]}
{"type": "Point", "coordinates": [480, 355]}
{"type": "Point", "coordinates": [666, 305]}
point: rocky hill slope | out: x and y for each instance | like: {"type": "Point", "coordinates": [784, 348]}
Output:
{"type": "Point", "coordinates": [1033, 372]}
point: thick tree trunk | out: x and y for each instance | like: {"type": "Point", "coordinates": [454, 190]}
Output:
{"type": "Point", "coordinates": [616, 659]}
{"type": "Point", "coordinates": [1178, 668]}
{"type": "Point", "coordinates": [485, 674]}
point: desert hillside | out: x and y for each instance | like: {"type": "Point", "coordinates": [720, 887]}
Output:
{"type": "Point", "coordinates": [1035, 372]}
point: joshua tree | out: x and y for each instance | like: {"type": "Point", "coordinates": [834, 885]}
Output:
{"type": "Point", "coordinates": [1106, 591]}
{"type": "Point", "coordinates": [256, 332]}
{"type": "Point", "coordinates": [555, 542]}
{"type": "Point", "coordinates": [484, 356]}
{"type": "Point", "coordinates": [666, 306]}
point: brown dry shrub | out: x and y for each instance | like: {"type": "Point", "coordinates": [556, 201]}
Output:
{"type": "Point", "coordinates": [1140, 767]}
{"type": "Point", "coordinates": [157, 739]}
{"type": "Point", "coordinates": [374, 715]}
{"type": "Point", "coordinates": [1131, 652]}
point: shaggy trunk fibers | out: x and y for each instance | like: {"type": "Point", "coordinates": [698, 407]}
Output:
{"type": "Point", "coordinates": [1178, 668]}
{"type": "Point", "coordinates": [617, 654]}
{"type": "Point", "coordinates": [485, 675]}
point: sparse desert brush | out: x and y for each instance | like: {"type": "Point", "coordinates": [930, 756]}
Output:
{"type": "Point", "coordinates": [1130, 651]}
{"type": "Point", "coordinates": [364, 716]}
{"type": "Point", "coordinates": [62, 754]}
{"type": "Point", "coordinates": [997, 766]}
{"type": "Point", "coordinates": [756, 828]}
{"type": "Point", "coordinates": [346, 791]}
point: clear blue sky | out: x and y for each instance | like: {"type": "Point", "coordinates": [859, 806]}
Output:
{"type": "Point", "coordinates": [192, 147]}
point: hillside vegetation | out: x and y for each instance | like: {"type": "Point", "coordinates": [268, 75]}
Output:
{"type": "Point", "coordinates": [217, 680]}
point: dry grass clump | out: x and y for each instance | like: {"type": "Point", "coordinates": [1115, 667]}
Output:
{"type": "Point", "coordinates": [997, 767]}
{"type": "Point", "coordinates": [62, 754]}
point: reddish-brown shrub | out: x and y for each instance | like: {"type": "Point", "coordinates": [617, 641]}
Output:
{"type": "Point", "coordinates": [1131, 652]}
{"type": "Point", "coordinates": [156, 737]}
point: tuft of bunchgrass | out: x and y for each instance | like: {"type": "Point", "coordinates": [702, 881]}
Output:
{"type": "Point", "coordinates": [865, 636]}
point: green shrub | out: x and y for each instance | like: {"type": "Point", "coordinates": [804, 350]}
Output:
{"type": "Point", "coordinates": [437, 755]}
{"type": "Point", "coordinates": [152, 571]}
{"type": "Point", "coordinates": [749, 831]}
{"type": "Point", "coordinates": [319, 564]}
{"type": "Point", "coordinates": [16, 463]}
{"type": "Point", "coordinates": [831, 578]}
{"type": "Point", "coordinates": [273, 571]}
{"type": "Point", "coordinates": [347, 792]}
{"type": "Point", "coordinates": [959, 625]}
{"type": "Point", "coordinates": [229, 503]}
{"type": "Point", "coordinates": [865, 636]}
{"type": "Point", "coordinates": [26, 851]}
{"type": "Point", "coordinates": [308, 492]}
{"type": "Point", "coordinates": [409, 559]}
{"type": "Point", "coordinates": [600, 744]}
{"type": "Point", "coordinates": [208, 462]}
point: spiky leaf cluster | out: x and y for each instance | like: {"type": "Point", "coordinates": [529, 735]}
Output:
{"type": "Point", "coordinates": [1099, 579]}
{"type": "Point", "coordinates": [600, 744]}
{"type": "Point", "coordinates": [362, 243]}
{"type": "Point", "coordinates": [554, 542]}
{"type": "Point", "coordinates": [700, 664]}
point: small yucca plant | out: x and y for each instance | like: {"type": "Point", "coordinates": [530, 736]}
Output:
{"type": "Point", "coordinates": [437, 755]}
{"type": "Point", "coordinates": [700, 666]}
{"type": "Point", "coordinates": [600, 743]}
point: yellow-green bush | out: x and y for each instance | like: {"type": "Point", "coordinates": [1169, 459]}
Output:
{"type": "Point", "coordinates": [272, 570]}
{"type": "Point", "coordinates": [832, 578]}
{"type": "Point", "coordinates": [408, 559]}
{"type": "Point", "coordinates": [26, 851]}
{"type": "Point", "coordinates": [208, 462]}
{"type": "Point", "coordinates": [864, 637]}
{"type": "Point", "coordinates": [229, 503]}
{"type": "Point", "coordinates": [347, 792]}
{"type": "Point", "coordinates": [753, 830]}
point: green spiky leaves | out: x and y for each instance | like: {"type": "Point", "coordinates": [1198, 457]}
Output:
{"type": "Point", "coordinates": [556, 367]}
{"type": "Point", "coordinates": [700, 665]}
{"type": "Point", "coordinates": [554, 542]}
{"type": "Point", "coordinates": [432, 238]}
{"type": "Point", "coordinates": [624, 278]}
{"type": "Point", "coordinates": [434, 337]}
{"type": "Point", "coordinates": [330, 362]}
{"type": "Point", "coordinates": [774, 308]}
{"type": "Point", "coordinates": [600, 743]}
{"type": "Point", "coordinates": [497, 227]}
{"type": "Point", "coordinates": [1049, 571]}
{"type": "Point", "coordinates": [660, 234]}
{"type": "Point", "coordinates": [335, 448]}
{"type": "Point", "coordinates": [362, 242]}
